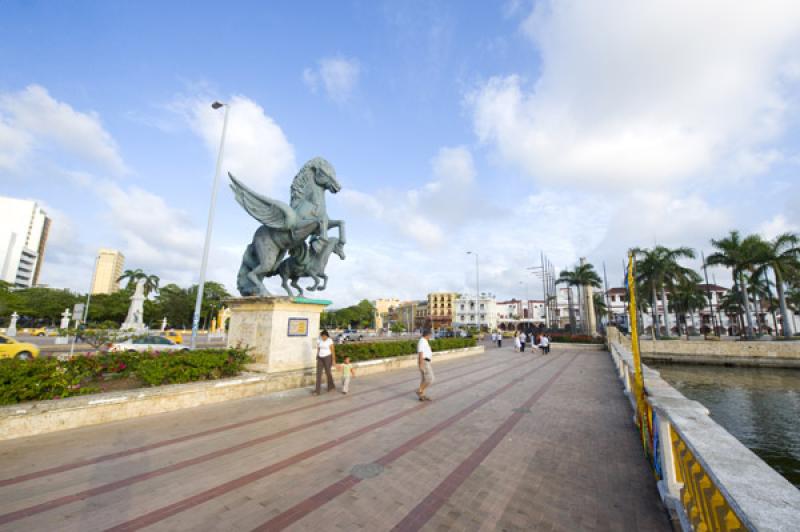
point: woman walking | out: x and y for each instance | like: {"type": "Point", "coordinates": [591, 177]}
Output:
{"type": "Point", "coordinates": [326, 358]}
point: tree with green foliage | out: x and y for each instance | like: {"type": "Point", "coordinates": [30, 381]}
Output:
{"type": "Point", "coordinates": [782, 256]}
{"type": "Point", "coordinates": [659, 269]}
{"type": "Point", "coordinates": [134, 276]}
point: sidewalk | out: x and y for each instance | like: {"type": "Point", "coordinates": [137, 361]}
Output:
{"type": "Point", "coordinates": [511, 441]}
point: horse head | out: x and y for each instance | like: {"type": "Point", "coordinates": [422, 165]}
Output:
{"type": "Point", "coordinates": [324, 174]}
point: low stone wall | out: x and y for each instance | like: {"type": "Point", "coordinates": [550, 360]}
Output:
{"type": "Point", "coordinates": [777, 354]}
{"type": "Point", "coordinates": [708, 477]}
{"type": "Point", "coordinates": [29, 419]}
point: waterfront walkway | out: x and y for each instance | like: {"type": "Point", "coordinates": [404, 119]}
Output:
{"type": "Point", "coordinates": [510, 442]}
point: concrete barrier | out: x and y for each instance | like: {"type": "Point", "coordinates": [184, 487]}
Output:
{"type": "Point", "coordinates": [708, 478]}
{"type": "Point", "coordinates": [29, 419]}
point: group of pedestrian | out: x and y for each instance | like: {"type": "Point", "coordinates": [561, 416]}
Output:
{"type": "Point", "coordinates": [497, 339]}
{"type": "Point", "coordinates": [539, 340]}
{"type": "Point", "coordinates": [326, 361]}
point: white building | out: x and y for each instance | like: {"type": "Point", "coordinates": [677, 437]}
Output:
{"type": "Point", "coordinates": [466, 315]}
{"type": "Point", "coordinates": [701, 321]}
{"type": "Point", "coordinates": [23, 237]}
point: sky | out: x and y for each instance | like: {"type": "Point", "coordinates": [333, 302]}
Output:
{"type": "Point", "coordinates": [576, 129]}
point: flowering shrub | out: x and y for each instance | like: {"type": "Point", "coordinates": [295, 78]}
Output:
{"type": "Point", "coordinates": [50, 378]}
{"type": "Point", "coordinates": [575, 339]}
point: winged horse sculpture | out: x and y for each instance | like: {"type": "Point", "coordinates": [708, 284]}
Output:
{"type": "Point", "coordinates": [285, 227]}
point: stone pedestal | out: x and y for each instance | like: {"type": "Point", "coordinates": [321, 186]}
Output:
{"type": "Point", "coordinates": [281, 332]}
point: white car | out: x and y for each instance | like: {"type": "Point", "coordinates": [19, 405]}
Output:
{"type": "Point", "coordinates": [147, 343]}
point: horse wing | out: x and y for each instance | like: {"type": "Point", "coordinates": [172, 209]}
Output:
{"type": "Point", "coordinates": [272, 213]}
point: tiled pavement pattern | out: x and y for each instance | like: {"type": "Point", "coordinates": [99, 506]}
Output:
{"type": "Point", "coordinates": [510, 442]}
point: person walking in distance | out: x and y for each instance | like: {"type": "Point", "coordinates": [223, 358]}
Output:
{"type": "Point", "coordinates": [545, 343]}
{"type": "Point", "coordinates": [517, 343]}
{"type": "Point", "coordinates": [499, 339]}
{"type": "Point", "coordinates": [424, 356]}
{"type": "Point", "coordinates": [522, 342]}
{"type": "Point", "coordinates": [326, 358]}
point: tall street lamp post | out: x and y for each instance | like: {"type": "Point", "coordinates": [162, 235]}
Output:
{"type": "Point", "coordinates": [201, 283]}
{"type": "Point", "coordinates": [477, 291]}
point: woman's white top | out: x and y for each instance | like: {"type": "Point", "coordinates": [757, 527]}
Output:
{"type": "Point", "coordinates": [325, 347]}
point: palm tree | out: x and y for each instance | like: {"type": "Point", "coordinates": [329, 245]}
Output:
{"type": "Point", "coordinates": [740, 255]}
{"type": "Point", "coordinates": [732, 304]}
{"type": "Point", "coordinates": [585, 276]}
{"type": "Point", "coordinates": [660, 269]}
{"type": "Point", "coordinates": [687, 297]}
{"type": "Point", "coordinates": [134, 276]}
{"type": "Point", "coordinates": [568, 278]}
{"type": "Point", "coordinates": [600, 307]}
{"type": "Point", "coordinates": [782, 256]}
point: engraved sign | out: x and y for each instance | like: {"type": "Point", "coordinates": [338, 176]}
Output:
{"type": "Point", "coordinates": [298, 327]}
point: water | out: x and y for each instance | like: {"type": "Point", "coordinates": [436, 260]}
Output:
{"type": "Point", "coordinates": [759, 406]}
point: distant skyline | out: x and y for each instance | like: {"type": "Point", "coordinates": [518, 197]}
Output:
{"type": "Point", "coordinates": [573, 128]}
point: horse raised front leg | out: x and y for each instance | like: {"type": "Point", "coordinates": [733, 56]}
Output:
{"type": "Point", "coordinates": [340, 225]}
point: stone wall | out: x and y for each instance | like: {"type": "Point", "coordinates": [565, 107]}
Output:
{"type": "Point", "coordinates": [723, 352]}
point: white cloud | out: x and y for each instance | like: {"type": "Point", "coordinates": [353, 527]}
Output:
{"type": "Point", "coordinates": [639, 93]}
{"type": "Point", "coordinates": [153, 235]}
{"type": "Point", "coordinates": [777, 225]}
{"type": "Point", "coordinates": [256, 149]}
{"type": "Point", "coordinates": [337, 75]}
{"type": "Point", "coordinates": [454, 164]}
{"type": "Point", "coordinates": [32, 118]}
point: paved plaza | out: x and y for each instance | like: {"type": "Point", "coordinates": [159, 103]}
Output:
{"type": "Point", "coordinates": [510, 442]}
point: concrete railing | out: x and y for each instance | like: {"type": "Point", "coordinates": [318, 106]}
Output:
{"type": "Point", "coordinates": [707, 477]}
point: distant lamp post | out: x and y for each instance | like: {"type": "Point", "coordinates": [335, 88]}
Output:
{"type": "Point", "coordinates": [477, 290]}
{"type": "Point", "coordinates": [203, 265]}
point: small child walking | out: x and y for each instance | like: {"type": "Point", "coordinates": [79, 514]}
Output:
{"type": "Point", "coordinates": [347, 372]}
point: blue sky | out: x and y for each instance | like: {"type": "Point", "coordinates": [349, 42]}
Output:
{"type": "Point", "coordinates": [510, 128]}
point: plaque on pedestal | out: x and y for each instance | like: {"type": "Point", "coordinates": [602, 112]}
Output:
{"type": "Point", "coordinates": [281, 332]}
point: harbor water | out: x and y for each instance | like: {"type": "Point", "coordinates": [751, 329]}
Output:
{"type": "Point", "coordinates": [759, 406]}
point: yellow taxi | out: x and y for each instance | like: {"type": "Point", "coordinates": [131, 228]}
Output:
{"type": "Point", "coordinates": [10, 348]}
{"type": "Point", "coordinates": [174, 336]}
{"type": "Point", "coordinates": [41, 331]}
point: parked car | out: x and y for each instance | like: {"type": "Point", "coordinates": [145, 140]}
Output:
{"type": "Point", "coordinates": [11, 348]}
{"type": "Point", "coordinates": [445, 334]}
{"type": "Point", "coordinates": [349, 335]}
{"type": "Point", "coordinates": [42, 331]}
{"type": "Point", "coordinates": [174, 336]}
{"type": "Point", "coordinates": [147, 343]}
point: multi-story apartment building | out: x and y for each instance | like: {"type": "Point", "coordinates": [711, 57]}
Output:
{"type": "Point", "coordinates": [24, 227]}
{"type": "Point", "coordinates": [107, 269]}
{"type": "Point", "coordinates": [441, 309]}
{"type": "Point", "coordinates": [472, 311]}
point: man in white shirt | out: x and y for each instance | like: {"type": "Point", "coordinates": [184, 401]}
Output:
{"type": "Point", "coordinates": [326, 358]}
{"type": "Point", "coordinates": [522, 342]}
{"type": "Point", "coordinates": [544, 343]}
{"type": "Point", "coordinates": [424, 356]}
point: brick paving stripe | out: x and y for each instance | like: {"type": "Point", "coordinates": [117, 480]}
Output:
{"type": "Point", "coordinates": [111, 486]}
{"type": "Point", "coordinates": [172, 441]}
{"type": "Point", "coordinates": [205, 496]}
{"type": "Point", "coordinates": [326, 495]}
{"type": "Point", "coordinates": [420, 515]}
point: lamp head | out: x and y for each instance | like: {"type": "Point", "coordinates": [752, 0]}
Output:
{"type": "Point", "coordinates": [217, 105]}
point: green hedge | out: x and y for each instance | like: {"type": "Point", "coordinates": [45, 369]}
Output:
{"type": "Point", "coordinates": [50, 378]}
{"type": "Point", "coordinates": [372, 350]}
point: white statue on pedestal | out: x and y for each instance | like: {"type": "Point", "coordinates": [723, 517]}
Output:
{"type": "Point", "coordinates": [135, 319]}
{"type": "Point", "coordinates": [163, 324]}
{"type": "Point", "coordinates": [65, 316]}
{"type": "Point", "coordinates": [12, 326]}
